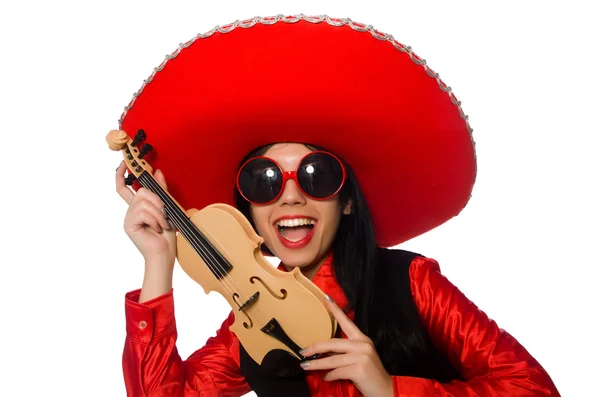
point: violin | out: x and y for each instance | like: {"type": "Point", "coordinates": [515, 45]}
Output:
{"type": "Point", "coordinates": [277, 313]}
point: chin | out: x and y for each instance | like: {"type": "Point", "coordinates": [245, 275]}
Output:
{"type": "Point", "coordinates": [297, 258]}
{"type": "Point", "coordinates": [294, 259]}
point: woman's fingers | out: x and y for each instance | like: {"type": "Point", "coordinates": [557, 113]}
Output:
{"type": "Point", "coordinates": [330, 362]}
{"type": "Point", "coordinates": [349, 328]}
{"type": "Point", "coordinates": [160, 177]}
{"type": "Point", "coordinates": [144, 194]}
{"type": "Point", "coordinates": [123, 190]}
{"type": "Point", "coordinates": [357, 342]}
{"type": "Point", "coordinates": [149, 205]}
{"type": "Point", "coordinates": [144, 197]}
{"type": "Point", "coordinates": [347, 372]}
{"type": "Point", "coordinates": [146, 218]}
{"type": "Point", "coordinates": [337, 345]}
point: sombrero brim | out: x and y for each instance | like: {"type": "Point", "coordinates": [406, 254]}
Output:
{"type": "Point", "coordinates": [329, 82]}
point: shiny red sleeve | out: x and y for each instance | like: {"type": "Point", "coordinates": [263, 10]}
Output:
{"type": "Point", "coordinates": [490, 360]}
{"type": "Point", "coordinates": [152, 366]}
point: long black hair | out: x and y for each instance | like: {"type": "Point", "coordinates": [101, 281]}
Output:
{"type": "Point", "coordinates": [355, 263]}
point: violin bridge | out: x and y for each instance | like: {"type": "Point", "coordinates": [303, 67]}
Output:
{"type": "Point", "coordinates": [250, 301]}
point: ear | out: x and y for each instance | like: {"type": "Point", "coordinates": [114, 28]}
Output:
{"type": "Point", "coordinates": [347, 208]}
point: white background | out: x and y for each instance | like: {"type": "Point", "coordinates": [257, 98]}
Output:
{"type": "Point", "coordinates": [525, 249]}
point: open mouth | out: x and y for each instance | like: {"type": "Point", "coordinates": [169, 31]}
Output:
{"type": "Point", "coordinates": [294, 230]}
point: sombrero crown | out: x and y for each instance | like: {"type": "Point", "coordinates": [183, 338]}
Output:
{"type": "Point", "coordinates": [329, 82]}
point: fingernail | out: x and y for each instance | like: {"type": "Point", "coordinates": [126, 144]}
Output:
{"type": "Point", "coordinates": [303, 351]}
{"type": "Point", "coordinates": [329, 298]}
{"type": "Point", "coordinates": [119, 166]}
{"type": "Point", "coordinates": [305, 364]}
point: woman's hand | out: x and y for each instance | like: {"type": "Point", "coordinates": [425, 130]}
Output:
{"type": "Point", "coordinates": [354, 359]}
{"type": "Point", "coordinates": [146, 225]}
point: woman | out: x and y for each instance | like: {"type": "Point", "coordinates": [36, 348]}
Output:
{"type": "Point", "coordinates": [386, 155]}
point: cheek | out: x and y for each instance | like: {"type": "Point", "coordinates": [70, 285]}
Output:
{"type": "Point", "coordinates": [331, 213]}
{"type": "Point", "coordinates": [260, 218]}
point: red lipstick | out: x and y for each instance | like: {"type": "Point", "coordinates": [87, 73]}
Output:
{"type": "Point", "coordinates": [295, 244]}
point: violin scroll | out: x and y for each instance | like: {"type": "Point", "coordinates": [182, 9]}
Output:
{"type": "Point", "coordinates": [117, 140]}
{"type": "Point", "coordinates": [134, 158]}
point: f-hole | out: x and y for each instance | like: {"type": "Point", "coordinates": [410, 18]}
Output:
{"type": "Point", "coordinates": [275, 295]}
{"type": "Point", "coordinates": [250, 324]}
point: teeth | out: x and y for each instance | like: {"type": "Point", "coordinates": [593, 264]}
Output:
{"type": "Point", "coordinates": [295, 222]}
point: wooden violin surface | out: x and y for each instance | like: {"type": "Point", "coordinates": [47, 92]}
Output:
{"type": "Point", "coordinates": [257, 292]}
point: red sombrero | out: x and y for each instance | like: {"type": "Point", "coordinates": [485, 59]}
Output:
{"type": "Point", "coordinates": [330, 82]}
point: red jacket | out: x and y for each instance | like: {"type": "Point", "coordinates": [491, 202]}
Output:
{"type": "Point", "coordinates": [491, 361]}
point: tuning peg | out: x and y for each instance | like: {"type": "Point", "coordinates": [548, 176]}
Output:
{"type": "Point", "coordinates": [139, 137]}
{"type": "Point", "coordinates": [130, 179]}
{"type": "Point", "coordinates": [145, 150]}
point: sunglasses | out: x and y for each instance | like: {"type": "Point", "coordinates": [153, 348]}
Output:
{"type": "Point", "coordinates": [319, 175]}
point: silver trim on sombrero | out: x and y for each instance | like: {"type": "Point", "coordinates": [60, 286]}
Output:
{"type": "Point", "coordinates": [360, 27]}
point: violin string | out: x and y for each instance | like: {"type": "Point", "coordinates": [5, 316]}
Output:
{"type": "Point", "coordinates": [197, 243]}
{"type": "Point", "coordinates": [199, 246]}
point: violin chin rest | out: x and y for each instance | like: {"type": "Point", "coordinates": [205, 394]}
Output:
{"type": "Point", "coordinates": [281, 363]}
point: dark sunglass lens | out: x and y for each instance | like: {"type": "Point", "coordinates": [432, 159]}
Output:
{"type": "Point", "coordinates": [320, 175]}
{"type": "Point", "coordinates": [260, 180]}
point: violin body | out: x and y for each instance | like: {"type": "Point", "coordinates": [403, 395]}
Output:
{"type": "Point", "coordinates": [289, 297]}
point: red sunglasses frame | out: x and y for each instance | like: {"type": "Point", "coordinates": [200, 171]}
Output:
{"type": "Point", "coordinates": [293, 175]}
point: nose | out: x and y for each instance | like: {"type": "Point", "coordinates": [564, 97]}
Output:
{"type": "Point", "coordinates": [292, 195]}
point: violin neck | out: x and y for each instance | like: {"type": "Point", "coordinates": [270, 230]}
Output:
{"type": "Point", "coordinates": [174, 211]}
